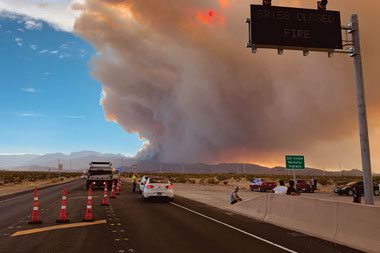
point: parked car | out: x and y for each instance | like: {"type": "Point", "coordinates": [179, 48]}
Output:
{"type": "Point", "coordinates": [143, 182]}
{"type": "Point", "coordinates": [158, 187]}
{"type": "Point", "coordinates": [261, 185]}
{"type": "Point", "coordinates": [348, 189]}
{"type": "Point", "coordinates": [304, 186]}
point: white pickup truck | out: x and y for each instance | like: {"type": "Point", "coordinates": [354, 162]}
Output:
{"type": "Point", "coordinates": [98, 173]}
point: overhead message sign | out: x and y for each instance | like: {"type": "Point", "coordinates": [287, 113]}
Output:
{"type": "Point", "coordinates": [295, 162]}
{"type": "Point", "coordinates": [294, 28]}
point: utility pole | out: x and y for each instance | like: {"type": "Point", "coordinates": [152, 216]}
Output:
{"type": "Point", "coordinates": [361, 104]}
{"type": "Point", "coordinates": [59, 171]}
{"type": "Point", "coordinates": [340, 169]}
{"type": "Point", "coordinates": [244, 168]}
{"type": "Point", "coordinates": [237, 168]}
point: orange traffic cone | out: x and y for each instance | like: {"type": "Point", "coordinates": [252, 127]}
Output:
{"type": "Point", "coordinates": [35, 212]}
{"type": "Point", "coordinates": [113, 196]}
{"type": "Point", "coordinates": [105, 196]}
{"type": "Point", "coordinates": [117, 192]}
{"type": "Point", "coordinates": [88, 215]}
{"type": "Point", "coordinates": [119, 184]}
{"type": "Point", "coordinates": [62, 213]}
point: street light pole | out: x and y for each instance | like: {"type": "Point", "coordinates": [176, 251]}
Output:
{"type": "Point", "coordinates": [361, 104]}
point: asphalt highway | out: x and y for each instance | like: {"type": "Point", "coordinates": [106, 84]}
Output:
{"type": "Point", "coordinates": [131, 225]}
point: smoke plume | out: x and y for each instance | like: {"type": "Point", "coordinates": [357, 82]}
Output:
{"type": "Point", "coordinates": [177, 73]}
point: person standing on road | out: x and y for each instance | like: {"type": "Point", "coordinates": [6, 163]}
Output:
{"type": "Point", "coordinates": [281, 189]}
{"type": "Point", "coordinates": [291, 189]}
{"type": "Point", "coordinates": [234, 196]}
{"type": "Point", "coordinates": [134, 183]}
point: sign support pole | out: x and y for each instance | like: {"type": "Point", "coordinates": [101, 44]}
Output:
{"type": "Point", "coordinates": [361, 104]}
{"type": "Point", "coordinates": [294, 177]}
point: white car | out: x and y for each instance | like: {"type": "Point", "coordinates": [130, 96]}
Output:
{"type": "Point", "coordinates": [158, 187]}
{"type": "Point", "coordinates": [143, 182]}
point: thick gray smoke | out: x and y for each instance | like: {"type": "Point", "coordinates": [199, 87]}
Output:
{"type": "Point", "coordinates": [185, 81]}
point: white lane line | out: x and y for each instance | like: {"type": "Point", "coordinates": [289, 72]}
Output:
{"type": "Point", "coordinates": [16, 197]}
{"type": "Point", "coordinates": [234, 228]}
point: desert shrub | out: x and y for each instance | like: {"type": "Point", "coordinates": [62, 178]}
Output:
{"type": "Point", "coordinates": [222, 177]}
{"type": "Point", "coordinates": [181, 180]}
{"type": "Point", "coordinates": [190, 181]}
{"type": "Point", "coordinates": [212, 180]}
{"type": "Point", "coordinates": [18, 177]}
{"type": "Point", "coordinates": [323, 181]}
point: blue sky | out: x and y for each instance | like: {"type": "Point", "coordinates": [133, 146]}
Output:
{"type": "Point", "coordinates": [48, 100]}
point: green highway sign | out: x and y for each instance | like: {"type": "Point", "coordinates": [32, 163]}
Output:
{"type": "Point", "coordinates": [295, 162]}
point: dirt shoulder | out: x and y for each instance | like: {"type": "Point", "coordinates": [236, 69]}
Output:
{"type": "Point", "coordinates": [213, 195]}
{"type": "Point", "coordinates": [218, 195]}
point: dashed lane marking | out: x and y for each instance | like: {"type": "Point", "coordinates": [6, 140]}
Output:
{"type": "Point", "coordinates": [234, 228]}
{"type": "Point", "coordinates": [84, 197]}
{"type": "Point", "coordinates": [57, 227]}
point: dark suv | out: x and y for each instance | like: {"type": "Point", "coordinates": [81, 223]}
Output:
{"type": "Point", "coordinates": [348, 189]}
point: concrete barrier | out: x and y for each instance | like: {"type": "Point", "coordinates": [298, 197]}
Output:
{"type": "Point", "coordinates": [310, 216]}
{"type": "Point", "coordinates": [357, 226]}
{"type": "Point", "coordinates": [255, 207]}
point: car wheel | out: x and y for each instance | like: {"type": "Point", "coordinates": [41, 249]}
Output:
{"type": "Point", "coordinates": [350, 192]}
{"type": "Point", "coordinates": [251, 188]}
{"type": "Point", "coordinates": [377, 192]}
{"type": "Point", "coordinates": [340, 194]}
{"type": "Point", "coordinates": [260, 189]}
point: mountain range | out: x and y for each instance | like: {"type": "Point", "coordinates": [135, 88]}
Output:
{"type": "Point", "coordinates": [79, 161]}
{"type": "Point", "coordinates": [75, 161]}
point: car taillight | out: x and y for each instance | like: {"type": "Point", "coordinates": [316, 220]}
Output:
{"type": "Point", "coordinates": [149, 186]}
{"type": "Point", "coordinates": [169, 186]}
{"type": "Point", "coordinates": [142, 183]}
